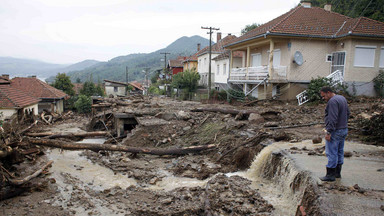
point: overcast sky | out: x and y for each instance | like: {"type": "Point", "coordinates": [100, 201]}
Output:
{"type": "Point", "coordinates": [70, 31]}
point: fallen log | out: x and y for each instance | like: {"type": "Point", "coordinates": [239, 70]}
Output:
{"type": "Point", "coordinates": [296, 126]}
{"type": "Point", "coordinates": [28, 178]}
{"type": "Point", "coordinates": [108, 147]}
{"type": "Point", "coordinates": [51, 135]}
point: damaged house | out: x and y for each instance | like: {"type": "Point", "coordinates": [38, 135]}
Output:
{"type": "Point", "coordinates": [283, 55]}
{"type": "Point", "coordinates": [116, 88]}
{"type": "Point", "coordinates": [51, 99]}
{"type": "Point", "coordinates": [14, 101]}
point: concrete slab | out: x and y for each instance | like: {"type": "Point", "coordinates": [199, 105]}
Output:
{"type": "Point", "coordinates": [365, 168]}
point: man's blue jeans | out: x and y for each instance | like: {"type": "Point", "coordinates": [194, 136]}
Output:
{"type": "Point", "coordinates": [334, 149]}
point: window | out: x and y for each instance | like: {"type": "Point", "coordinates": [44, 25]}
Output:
{"type": "Point", "coordinates": [364, 56]}
{"type": "Point", "coordinates": [381, 58]}
{"type": "Point", "coordinates": [256, 60]}
{"type": "Point", "coordinates": [224, 69]}
{"type": "Point", "coordinates": [115, 89]}
{"type": "Point", "coordinates": [218, 70]}
{"type": "Point", "coordinates": [205, 61]}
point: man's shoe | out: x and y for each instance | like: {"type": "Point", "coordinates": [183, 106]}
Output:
{"type": "Point", "coordinates": [338, 171]}
{"type": "Point", "coordinates": [330, 176]}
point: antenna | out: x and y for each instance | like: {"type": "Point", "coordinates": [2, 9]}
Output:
{"type": "Point", "coordinates": [298, 58]}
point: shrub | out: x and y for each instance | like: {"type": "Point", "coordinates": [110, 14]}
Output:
{"type": "Point", "coordinates": [378, 83]}
{"type": "Point", "coordinates": [83, 104]}
{"type": "Point", "coordinates": [313, 91]}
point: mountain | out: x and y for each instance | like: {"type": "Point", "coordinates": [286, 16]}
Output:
{"type": "Point", "coordinates": [26, 67]}
{"type": "Point", "coordinates": [115, 69]}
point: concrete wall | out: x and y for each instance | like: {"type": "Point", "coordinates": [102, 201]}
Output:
{"type": "Point", "coordinates": [314, 55]}
{"type": "Point", "coordinates": [109, 90]}
{"type": "Point", "coordinates": [220, 77]}
{"type": "Point", "coordinates": [361, 74]}
{"type": "Point", "coordinates": [203, 69]}
{"type": "Point", "coordinates": [190, 66]}
{"type": "Point", "coordinates": [7, 113]}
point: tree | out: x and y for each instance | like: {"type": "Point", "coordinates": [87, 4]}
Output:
{"type": "Point", "coordinates": [63, 82]}
{"type": "Point", "coordinates": [248, 28]}
{"type": "Point", "coordinates": [373, 9]}
{"type": "Point", "coordinates": [186, 80]}
{"type": "Point", "coordinates": [84, 104]}
{"type": "Point", "coordinates": [78, 80]}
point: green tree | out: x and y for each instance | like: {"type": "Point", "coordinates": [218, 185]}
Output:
{"type": "Point", "coordinates": [89, 89]}
{"type": "Point", "coordinates": [78, 80]}
{"type": "Point", "coordinates": [248, 28]}
{"type": "Point", "coordinates": [83, 104]}
{"type": "Point", "coordinates": [373, 9]}
{"type": "Point", "coordinates": [186, 80]}
{"type": "Point", "coordinates": [63, 82]}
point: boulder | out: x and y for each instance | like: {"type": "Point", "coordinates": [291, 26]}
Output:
{"type": "Point", "coordinates": [256, 118]}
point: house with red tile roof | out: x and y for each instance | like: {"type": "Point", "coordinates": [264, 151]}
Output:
{"type": "Point", "coordinates": [203, 59]}
{"type": "Point", "coordinates": [51, 99]}
{"type": "Point", "coordinates": [190, 63]}
{"type": "Point", "coordinates": [222, 63]}
{"type": "Point", "coordinates": [175, 66]}
{"type": "Point", "coordinates": [283, 55]}
{"type": "Point", "coordinates": [14, 101]}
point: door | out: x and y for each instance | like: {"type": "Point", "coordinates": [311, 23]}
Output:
{"type": "Point", "coordinates": [276, 58]}
{"type": "Point", "coordinates": [338, 62]}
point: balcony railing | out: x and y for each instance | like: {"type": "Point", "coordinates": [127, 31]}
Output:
{"type": "Point", "coordinates": [256, 74]}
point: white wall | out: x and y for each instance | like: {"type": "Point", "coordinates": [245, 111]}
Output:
{"type": "Point", "coordinates": [109, 90]}
{"type": "Point", "coordinates": [7, 113]}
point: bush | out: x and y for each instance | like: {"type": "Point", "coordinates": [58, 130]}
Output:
{"type": "Point", "coordinates": [373, 127]}
{"type": "Point", "coordinates": [313, 91]}
{"type": "Point", "coordinates": [83, 104]}
{"type": "Point", "coordinates": [378, 83]}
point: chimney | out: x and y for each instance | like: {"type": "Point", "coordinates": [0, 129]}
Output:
{"type": "Point", "coordinates": [33, 76]}
{"type": "Point", "coordinates": [306, 4]}
{"type": "Point", "coordinates": [328, 7]}
{"type": "Point", "coordinates": [229, 34]}
{"type": "Point", "coordinates": [218, 36]}
{"type": "Point", "coordinates": [6, 76]}
{"type": "Point", "coordinates": [198, 47]}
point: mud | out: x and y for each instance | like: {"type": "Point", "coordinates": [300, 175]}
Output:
{"type": "Point", "coordinates": [193, 184]}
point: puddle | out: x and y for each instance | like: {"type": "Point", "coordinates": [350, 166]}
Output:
{"type": "Point", "coordinates": [171, 182]}
{"type": "Point", "coordinates": [69, 166]}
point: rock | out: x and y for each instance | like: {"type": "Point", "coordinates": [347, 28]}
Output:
{"type": "Point", "coordinates": [348, 154]}
{"type": "Point", "coordinates": [255, 118]}
{"type": "Point", "coordinates": [168, 116]}
{"type": "Point", "coordinates": [166, 201]}
{"type": "Point", "coordinates": [153, 180]}
{"type": "Point", "coordinates": [183, 115]}
{"type": "Point", "coordinates": [186, 128]}
{"type": "Point", "coordinates": [382, 207]}
{"type": "Point", "coordinates": [317, 140]}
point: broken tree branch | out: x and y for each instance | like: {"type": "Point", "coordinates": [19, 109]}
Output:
{"type": "Point", "coordinates": [28, 178]}
{"type": "Point", "coordinates": [254, 140]}
{"type": "Point", "coordinates": [29, 127]}
{"type": "Point", "coordinates": [295, 126]}
{"type": "Point", "coordinates": [50, 135]}
{"type": "Point", "coordinates": [107, 147]}
{"type": "Point", "coordinates": [224, 111]}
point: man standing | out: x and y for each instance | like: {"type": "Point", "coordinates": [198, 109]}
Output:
{"type": "Point", "coordinates": [336, 124]}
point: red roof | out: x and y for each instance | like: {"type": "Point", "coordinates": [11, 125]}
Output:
{"type": "Point", "coordinates": [37, 88]}
{"type": "Point", "coordinates": [219, 46]}
{"type": "Point", "coordinates": [133, 83]}
{"type": "Point", "coordinates": [315, 22]}
{"type": "Point", "coordinates": [15, 98]}
{"type": "Point", "coordinates": [4, 80]}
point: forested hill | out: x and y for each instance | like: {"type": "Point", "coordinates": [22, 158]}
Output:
{"type": "Point", "coordinates": [115, 68]}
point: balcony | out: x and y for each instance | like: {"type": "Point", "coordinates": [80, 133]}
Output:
{"type": "Point", "coordinates": [257, 74]}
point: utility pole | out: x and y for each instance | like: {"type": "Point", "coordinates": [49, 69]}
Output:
{"type": "Point", "coordinates": [165, 60]}
{"type": "Point", "coordinates": [210, 53]}
{"type": "Point", "coordinates": [126, 79]}
{"type": "Point", "coordinates": [165, 68]}
{"type": "Point", "coordinates": [146, 79]}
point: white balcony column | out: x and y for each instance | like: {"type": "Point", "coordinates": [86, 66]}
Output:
{"type": "Point", "coordinates": [270, 62]}
{"type": "Point", "coordinates": [230, 63]}
{"type": "Point", "coordinates": [248, 59]}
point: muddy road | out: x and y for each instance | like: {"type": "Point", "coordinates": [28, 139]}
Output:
{"type": "Point", "coordinates": [225, 180]}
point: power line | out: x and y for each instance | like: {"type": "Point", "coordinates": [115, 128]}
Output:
{"type": "Point", "coordinates": [211, 29]}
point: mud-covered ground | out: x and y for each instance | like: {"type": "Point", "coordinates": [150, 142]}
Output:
{"type": "Point", "coordinates": [167, 123]}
